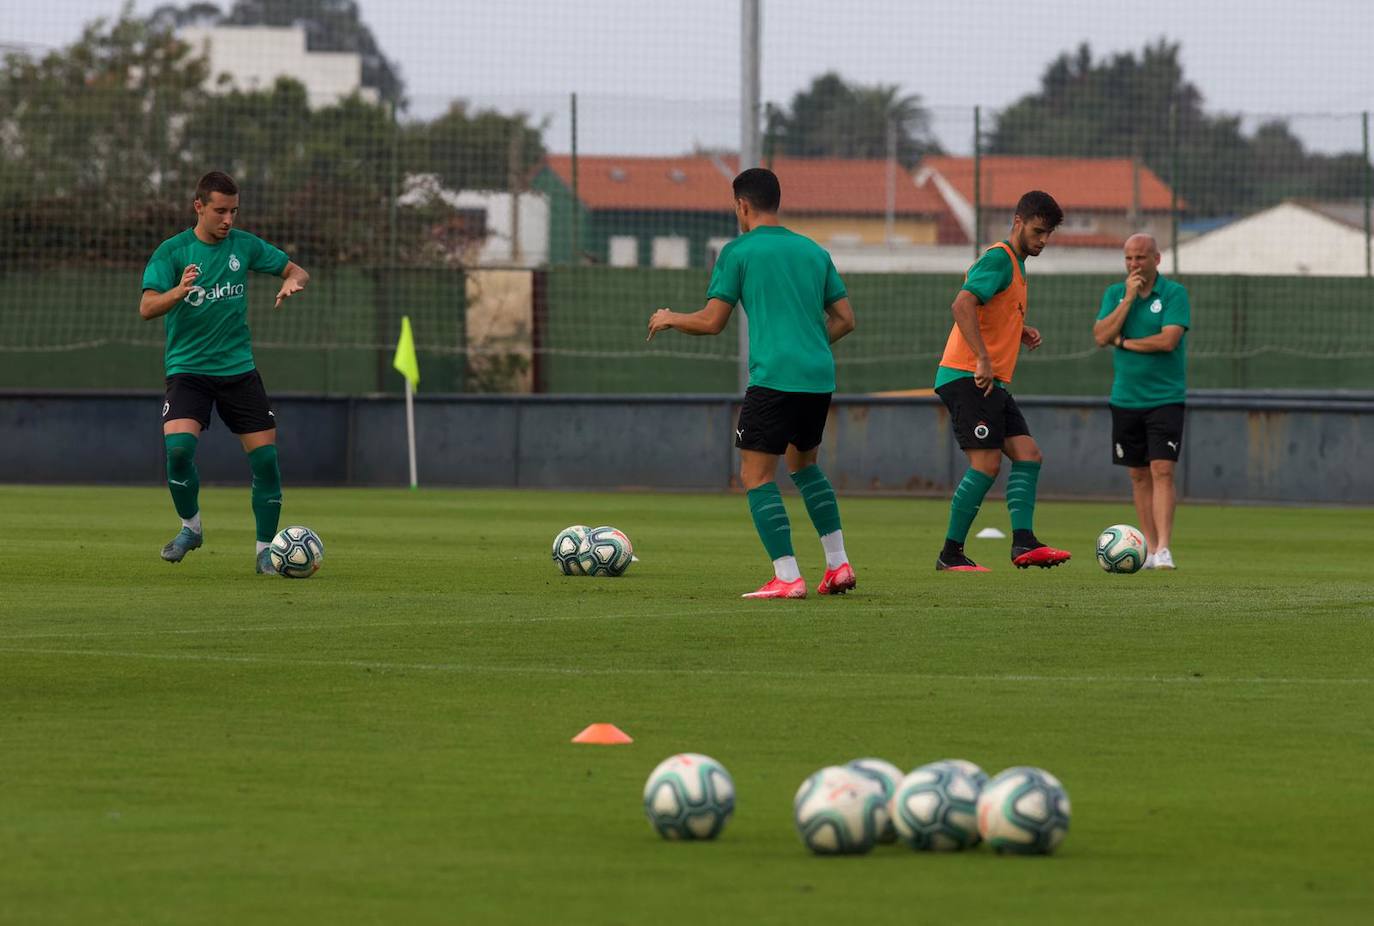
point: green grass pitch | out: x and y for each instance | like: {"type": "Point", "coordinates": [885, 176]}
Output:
{"type": "Point", "coordinates": [388, 741]}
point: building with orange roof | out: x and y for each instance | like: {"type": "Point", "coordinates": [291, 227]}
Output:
{"type": "Point", "coordinates": [678, 212]}
{"type": "Point", "coordinates": [1105, 200]}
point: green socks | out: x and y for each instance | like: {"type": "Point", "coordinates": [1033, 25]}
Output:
{"type": "Point", "coordinates": [770, 519]}
{"type": "Point", "coordinates": [182, 477]}
{"type": "Point", "coordinates": [1021, 494]}
{"type": "Point", "coordinates": [266, 491]}
{"type": "Point", "coordinates": [820, 499]}
{"type": "Point", "coordinates": [968, 498]}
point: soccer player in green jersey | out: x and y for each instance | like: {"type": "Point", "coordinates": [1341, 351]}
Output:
{"type": "Point", "coordinates": [797, 307]}
{"type": "Point", "coordinates": [1146, 319]}
{"type": "Point", "coordinates": [196, 283]}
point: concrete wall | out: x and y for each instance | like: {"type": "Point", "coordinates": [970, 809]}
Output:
{"type": "Point", "coordinates": [1236, 448]}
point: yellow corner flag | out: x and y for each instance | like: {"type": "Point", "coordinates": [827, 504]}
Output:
{"type": "Point", "coordinates": [405, 361]}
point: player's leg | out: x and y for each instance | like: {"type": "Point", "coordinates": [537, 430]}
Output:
{"type": "Point", "coordinates": [1130, 449]}
{"type": "Point", "coordinates": [817, 492]}
{"type": "Point", "coordinates": [185, 413]}
{"type": "Point", "coordinates": [1022, 488]}
{"type": "Point", "coordinates": [1164, 438]}
{"type": "Point", "coordinates": [977, 424]}
{"type": "Point", "coordinates": [761, 437]}
{"type": "Point", "coordinates": [245, 408]}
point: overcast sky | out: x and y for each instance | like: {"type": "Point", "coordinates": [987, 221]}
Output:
{"type": "Point", "coordinates": [657, 77]}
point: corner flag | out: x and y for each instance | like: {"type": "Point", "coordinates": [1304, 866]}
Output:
{"type": "Point", "coordinates": [405, 362]}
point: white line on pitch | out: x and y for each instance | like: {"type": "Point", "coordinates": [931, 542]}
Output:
{"type": "Point", "coordinates": [256, 659]}
{"type": "Point", "coordinates": [343, 626]}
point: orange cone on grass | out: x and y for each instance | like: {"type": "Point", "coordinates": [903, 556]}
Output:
{"type": "Point", "coordinates": [602, 734]}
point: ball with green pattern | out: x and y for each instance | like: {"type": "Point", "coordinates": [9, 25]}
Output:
{"type": "Point", "coordinates": [1023, 811]}
{"type": "Point", "coordinates": [689, 796]}
{"type": "Point", "coordinates": [610, 554]}
{"type": "Point", "coordinates": [1122, 549]}
{"type": "Point", "coordinates": [838, 811]}
{"type": "Point", "coordinates": [570, 546]}
{"type": "Point", "coordinates": [297, 552]}
{"type": "Point", "coordinates": [935, 808]}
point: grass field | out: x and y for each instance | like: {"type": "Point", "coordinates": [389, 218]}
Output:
{"type": "Point", "coordinates": [388, 742]}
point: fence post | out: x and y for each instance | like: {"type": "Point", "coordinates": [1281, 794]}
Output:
{"type": "Point", "coordinates": [977, 180]}
{"type": "Point", "coordinates": [1364, 177]}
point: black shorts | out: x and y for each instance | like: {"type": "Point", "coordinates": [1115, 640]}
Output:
{"type": "Point", "coordinates": [981, 422]}
{"type": "Point", "coordinates": [769, 420]}
{"type": "Point", "coordinates": [1140, 435]}
{"type": "Point", "coordinates": [242, 400]}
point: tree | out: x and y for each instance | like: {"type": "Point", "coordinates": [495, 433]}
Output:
{"type": "Point", "coordinates": [474, 151]}
{"type": "Point", "coordinates": [1122, 106]}
{"type": "Point", "coordinates": [833, 118]}
{"type": "Point", "coordinates": [330, 25]}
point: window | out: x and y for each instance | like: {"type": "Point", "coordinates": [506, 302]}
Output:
{"type": "Point", "coordinates": [624, 251]}
{"type": "Point", "coordinates": [670, 252]}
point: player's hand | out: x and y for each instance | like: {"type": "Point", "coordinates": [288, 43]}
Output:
{"type": "Point", "coordinates": [188, 277]}
{"type": "Point", "coordinates": [1135, 284]}
{"type": "Point", "coordinates": [288, 289]}
{"type": "Point", "coordinates": [982, 375]}
{"type": "Point", "coordinates": [660, 321]}
{"type": "Point", "coordinates": [1030, 337]}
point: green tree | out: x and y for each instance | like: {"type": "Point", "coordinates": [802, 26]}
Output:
{"type": "Point", "coordinates": [1122, 106]}
{"type": "Point", "coordinates": [834, 118]}
{"type": "Point", "coordinates": [485, 150]}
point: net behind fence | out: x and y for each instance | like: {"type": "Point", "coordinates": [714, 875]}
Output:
{"type": "Point", "coordinates": [529, 234]}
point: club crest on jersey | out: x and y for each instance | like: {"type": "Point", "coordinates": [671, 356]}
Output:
{"type": "Point", "coordinates": [981, 431]}
{"type": "Point", "coordinates": [234, 262]}
{"type": "Point", "coordinates": [1156, 307]}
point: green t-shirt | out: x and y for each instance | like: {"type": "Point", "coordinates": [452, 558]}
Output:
{"type": "Point", "coordinates": [988, 276]}
{"type": "Point", "coordinates": [785, 281]}
{"type": "Point", "coordinates": [1158, 378]}
{"type": "Point", "coordinates": [207, 332]}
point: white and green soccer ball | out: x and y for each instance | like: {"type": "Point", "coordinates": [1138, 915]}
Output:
{"type": "Point", "coordinates": [297, 552]}
{"type": "Point", "coordinates": [936, 806]}
{"type": "Point", "coordinates": [570, 548]}
{"type": "Point", "coordinates": [689, 796]}
{"type": "Point", "coordinates": [884, 776]}
{"type": "Point", "coordinates": [1121, 548]}
{"type": "Point", "coordinates": [610, 554]}
{"type": "Point", "coordinates": [839, 812]}
{"type": "Point", "coordinates": [1024, 811]}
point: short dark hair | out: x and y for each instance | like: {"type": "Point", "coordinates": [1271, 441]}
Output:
{"type": "Point", "coordinates": [1040, 205]}
{"type": "Point", "coordinates": [759, 187]}
{"type": "Point", "coordinates": [216, 181]}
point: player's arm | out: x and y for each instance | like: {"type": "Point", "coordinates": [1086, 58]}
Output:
{"type": "Point", "coordinates": [839, 319]}
{"type": "Point", "coordinates": [155, 304]}
{"type": "Point", "coordinates": [709, 320]}
{"type": "Point", "coordinates": [1107, 330]}
{"type": "Point", "coordinates": [294, 279]}
{"type": "Point", "coordinates": [965, 310]}
{"type": "Point", "coordinates": [1161, 343]}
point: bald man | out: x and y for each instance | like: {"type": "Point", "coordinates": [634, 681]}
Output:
{"type": "Point", "coordinates": [1145, 320]}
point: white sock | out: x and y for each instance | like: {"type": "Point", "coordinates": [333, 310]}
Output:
{"type": "Point", "coordinates": [192, 522]}
{"type": "Point", "coordinates": [835, 557]}
{"type": "Point", "coordinates": [785, 568]}
{"type": "Point", "coordinates": [262, 546]}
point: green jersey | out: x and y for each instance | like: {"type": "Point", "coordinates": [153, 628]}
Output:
{"type": "Point", "coordinates": [1158, 378]}
{"type": "Point", "coordinates": [207, 332]}
{"type": "Point", "coordinates": [785, 281]}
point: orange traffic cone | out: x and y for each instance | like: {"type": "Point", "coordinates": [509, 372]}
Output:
{"type": "Point", "coordinates": [602, 734]}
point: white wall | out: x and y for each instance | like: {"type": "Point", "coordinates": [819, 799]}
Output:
{"type": "Point", "coordinates": [1289, 239]}
{"type": "Point", "coordinates": [949, 258]}
{"type": "Point", "coordinates": [496, 250]}
{"type": "Point", "coordinates": [255, 56]}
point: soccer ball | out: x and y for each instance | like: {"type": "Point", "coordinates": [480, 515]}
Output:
{"type": "Point", "coordinates": [1121, 548]}
{"type": "Point", "coordinates": [971, 769]}
{"type": "Point", "coordinates": [885, 775]}
{"type": "Point", "coordinates": [1023, 810]}
{"type": "Point", "coordinates": [936, 806]}
{"type": "Point", "coordinates": [839, 812]}
{"type": "Point", "coordinates": [611, 552]}
{"type": "Point", "coordinates": [570, 548]}
{"type": "Point", "coordinates": [689, 796]}
{"type": "Point", "coordinates": [297, 552]}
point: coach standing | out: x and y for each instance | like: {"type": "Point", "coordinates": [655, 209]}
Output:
{"type": "Point", "coordinates": [1146, 320]}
